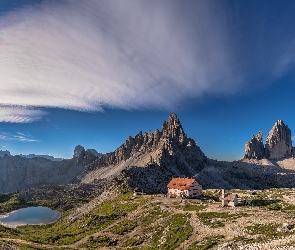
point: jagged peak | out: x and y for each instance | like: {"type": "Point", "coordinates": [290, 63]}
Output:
{"type": "Point", "coordinates": [278, 143]}
{"type": "Point", "coordinates": [172, 137]}
{"type": "Point", "coordinates": [173, 119]}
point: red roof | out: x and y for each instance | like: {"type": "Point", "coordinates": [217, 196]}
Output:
{"type": "Point", "coordinates": [181, 183]}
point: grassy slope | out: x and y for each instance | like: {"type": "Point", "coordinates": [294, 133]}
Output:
{"type": "Point", "coordinates": [151, 222]}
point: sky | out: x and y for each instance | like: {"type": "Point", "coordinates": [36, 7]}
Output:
{"type": "Point", "coordinates": [95, 72]}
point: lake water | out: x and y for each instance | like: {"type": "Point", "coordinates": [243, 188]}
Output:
{"type": "Point", "coordinates": [30, 216]}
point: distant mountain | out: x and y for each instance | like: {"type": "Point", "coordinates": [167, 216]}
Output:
{"type": "Point", "coordinates": [18, 173]}
{"type": "Point", "coordinates": [4, 152]}
{"type": "Point", "coordinates": [49, 157]}
{"type": "Point", "coordinates": [278, 144]}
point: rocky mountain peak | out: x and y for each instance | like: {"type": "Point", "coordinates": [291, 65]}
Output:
{"type": "Point", "coordinates": [173, 129]}
{"type": "Point", "coordinates": [254, 149]}
{"type": "Point", "coordinates": [78, 150]}
{"type": "Point", "coordinates": [165, 153]}
{"type": "Point", "coordinates": [279, 142]}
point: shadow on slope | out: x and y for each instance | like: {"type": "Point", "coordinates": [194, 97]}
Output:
{"type": "Point", "coordinates": [252, 174]}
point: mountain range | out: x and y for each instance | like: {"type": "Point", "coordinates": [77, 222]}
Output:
{"type": "Point", "coordinates": [150, 160]}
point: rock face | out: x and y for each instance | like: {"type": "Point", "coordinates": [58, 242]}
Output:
{"type": "Point", "coordinates": [255, 148]}
{"type": "Point", "coordinates": [18, 173]}
{"type": "Point", "coordinates": [78, 150]}
{"type": "Point", "coordinates": [147, 159]}
{"type": "Point", "coordinates": [279, 143]}
{"type": "Point", "coordinates": [4, 153]}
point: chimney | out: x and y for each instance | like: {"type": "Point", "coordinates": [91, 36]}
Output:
{"type": "Point", "coordinates": [222, 198]}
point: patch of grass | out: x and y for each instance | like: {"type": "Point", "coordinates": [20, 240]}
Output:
{"type": "Point", "coordinates": [179, 231]}
{"type": "Point", "coordinates": [275, 206]}
{"type": "Point", "coordinates": [152, 215]}
{"type": "Point", "coordinates": [266, 232]}
{"type": "Point", "coordinates": [265, 229]}
{"type": "Point", "coordinates": [27, 247]}
{"type": "Point", "coordinates": [66, 232]}
{"type": "Point", "coordinates": [206, 243]}
{"type": "Point", "coordinates": [132, 242]}
{"type": "Point", "coordinates": [212, 194]}
{"type": "Point", "coordinates": [172, 233]}
{"type": "Point", "coordinates": [100, 241]}
{"type": "Point", "coordinates": [123, 227]}
{"type": "Point", "coordinates": [191, 207]}
{"type": "Point", "coordinates": [213, 219]}
{"type": "Point", "coordinates": [11, 202]}
{"type": "Point", "coordinates": [6, 232]}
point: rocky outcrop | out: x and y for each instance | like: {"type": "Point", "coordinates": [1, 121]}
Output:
{"type": "Point", "coordinates": [254, 148]}
{"type": "Point", "coordinates": [279, 143]}
{"type": "Point", "coordinates": [151, 157]}
{"type": "Point", "coordinates": [4, 153]}
{"type": "Point", "coordinates": [78, 150]}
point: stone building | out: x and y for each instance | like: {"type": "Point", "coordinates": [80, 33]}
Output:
{"type": "Point", "coordinates": [228, 199]}
{"type": "Point", "coordinates": [184, 187]}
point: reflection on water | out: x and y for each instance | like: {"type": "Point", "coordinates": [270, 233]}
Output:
{"type": "Point", "coordinates": [30, 216]}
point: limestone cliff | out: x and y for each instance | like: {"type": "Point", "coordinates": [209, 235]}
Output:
{"type": "Point", "coordinates": [18, 173]}
{"type": "Point", "coordinates": [255, 148]}
{"type": "Point", "coordinates": [278, 143]}
{"type": "Point", "coordinates": [150, 158]}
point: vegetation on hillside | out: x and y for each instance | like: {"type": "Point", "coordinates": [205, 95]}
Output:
{"type": "Point", "coordinates": [157, 222]}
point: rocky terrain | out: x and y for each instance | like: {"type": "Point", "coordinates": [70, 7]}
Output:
{"type": "Point", "coordinates": [264, 219]}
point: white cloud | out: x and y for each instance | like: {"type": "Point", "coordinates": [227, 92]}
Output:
{"type": "Point", "coordinates": [89, 54]}
{"type": "Point", "coordinates": [19, 114]}
{"type": "Point", "coordinates": [86, 55]}
{"type": "Point", "coordinates": [17, 137]}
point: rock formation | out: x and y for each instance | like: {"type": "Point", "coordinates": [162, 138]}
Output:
{"type": "Point", "coordinates": [78, 150]}
{"type": "Point", "coordinates": [4, 153]}
{"type": "Point", "coordinates": [279, 143]}
{"type": "Point", "coordinates": [147, 159]}
{"type": "Point", "coordinates": [18, 173]}
{"type": "Point", "coordinates": [255, 148]}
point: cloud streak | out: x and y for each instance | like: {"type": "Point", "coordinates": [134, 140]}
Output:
{"type": "Point", "coordinates": [19, 114]}
{"type": "Point", "coordinates": [17, 137]}
{"type": "Point", "coordinates": [87, 55]}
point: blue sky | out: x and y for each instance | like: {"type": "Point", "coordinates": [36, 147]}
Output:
{"type": "Point", "coordinates": [94, 72]}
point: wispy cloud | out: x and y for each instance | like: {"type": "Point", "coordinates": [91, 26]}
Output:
{"type": "Point", "coordinates": [17, 137]}
{"type": "Point", "coordinates": [87, 55]}
{"type": "Point", "coordinates": [19, 114]}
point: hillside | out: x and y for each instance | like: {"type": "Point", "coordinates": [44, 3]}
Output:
{"type": "Point", "coordinates": [19, 173]}
{"type": "Point", "coordinates": [157, 222]}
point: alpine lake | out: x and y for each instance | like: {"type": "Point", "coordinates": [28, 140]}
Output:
{"type": "Point", "coordinates": [30, 216]}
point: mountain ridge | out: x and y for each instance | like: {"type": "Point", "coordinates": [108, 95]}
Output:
{"type": "Point", "coordinates": [148, 161]}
